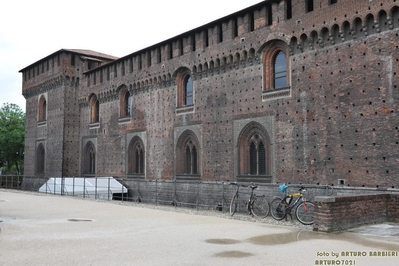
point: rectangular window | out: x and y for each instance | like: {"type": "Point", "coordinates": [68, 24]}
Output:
{"type": "Point", "coordinates": [140, 64]}
{"type": "Point", "coordinates": [289, 9]}
{"type": "Point", "coordinates": [309, 5]}
{"type": "Point", "coordinates": [235, 27]}
{"type": "Point", "coordinates": [130, 65]}
{"type": "Point", "coordinates": [193, 44]}
{"type": "Point", "coordinates": [333, 2]}
{"type": "Point", "coordinates": [251, 21]}
{"type": "Point", "coordinates": [206, 37]}
{"type": "Point", "coordinates": [72, 59]}
{"type": "Point", "coordinates": [170, 51]}
{"type": "Point", "coordinates": [148, 58]}
{"type": "Point", "coordinates": [181, 48]}
{"type": "Point", "coordinates": [220, 33]}
{"type": "Point", "coordinates": [158, 55]}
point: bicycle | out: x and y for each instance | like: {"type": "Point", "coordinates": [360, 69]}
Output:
{"type": "Point", "coordinates": [258, 206]}
{"type": "Point", "coordinates": [281, 208]}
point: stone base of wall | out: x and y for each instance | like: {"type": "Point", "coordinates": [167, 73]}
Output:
{"type": "Point", "coordinates": [335, 213]}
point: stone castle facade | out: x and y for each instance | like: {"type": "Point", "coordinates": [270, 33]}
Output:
{"type": "Point", "coordinates": [301, 91]}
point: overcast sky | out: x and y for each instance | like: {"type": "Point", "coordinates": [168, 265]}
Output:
{"type": "Point", "coordinates": [31, 30]}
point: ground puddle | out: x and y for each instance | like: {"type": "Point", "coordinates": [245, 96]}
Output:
{"type": "Point", "coordinates": [222, 241]}
{"type": "Point", "coordinates": [233, 254]}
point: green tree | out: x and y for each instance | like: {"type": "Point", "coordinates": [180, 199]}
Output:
{"type": "Point", "coordinates": [12, 137]}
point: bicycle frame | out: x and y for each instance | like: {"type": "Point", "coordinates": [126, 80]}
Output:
{"type": "Point", "coordinates": [291, 206]}
{"type": "Point", "coordinates": [251, 197]}
{"type": "Point", "coordinates": [257, 206]}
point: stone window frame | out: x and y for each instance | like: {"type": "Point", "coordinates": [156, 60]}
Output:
{"type": "Point", "coordinates": [125, 102]}
{"type": "Point", "coordinates": [136, 164]}
{"type": "Point", "coordinates": [245, 139]}
{"type": "Point", "coordinates": [182, 75]}
{"type": "Point", "coordinates": [94, 104]}
{"type": "Point", "coordinates": [89, 159]}
{"type": "Point", "coordinates": [188, 142]}
{"type": "Point", "coordinates": [40, 162]}
{"type": "Point", "coordinates": [42, 109]}
{"type": "Point", "coordinates": [269, 55]}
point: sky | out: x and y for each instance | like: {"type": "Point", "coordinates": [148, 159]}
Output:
{"type": "Point", "coordinates": [31, 30]}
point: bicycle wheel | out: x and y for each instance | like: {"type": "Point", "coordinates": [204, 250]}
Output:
{"type": "Point", "coordinates": [277, 209]}
{"type": "Point", "coordinates": [233, 204]}
{"type": "Point", "coordinates": [260, 207]}
{"type": "Point", "coordinates": [304, 212]}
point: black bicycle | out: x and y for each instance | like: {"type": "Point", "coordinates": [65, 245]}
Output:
{"type": "Point", "coordinates": [258, 206]}
{"type": "Point", "coordinates": [281, 208]}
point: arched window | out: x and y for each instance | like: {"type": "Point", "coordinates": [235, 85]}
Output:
{"type": "Point", "coordinates": [94, 110]}
{"type": "Point", "coordinates": [125, 102]}
{"type": "Point", "coordinates": [42, 109]}
{"type": "Point", "coordinates": [254, 160]}
{"type": "Point", "coordinates": [188, 155]}
{"type": "Point", "coordinates": [257, 156]}
{"type": "Point", "coordinates": [89, 159]}
{"type": "Point", "coordinates": [188, 90]}
{"type": "Point", "coordinates": [40, 159]}
{"type": "Point", "coordinates": [136, 157]}
{"type": "Point", "coordinates": [185, 88]}
{"type": "Point", "coordinates": [280, 71]}
{"type": "Point", "coordinates": [191, 158]}
{"type": "Point", "coordinates": [276, 65]}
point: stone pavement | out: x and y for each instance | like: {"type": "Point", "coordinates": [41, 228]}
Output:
{"type": "Point", "coordinates": [39, 229]}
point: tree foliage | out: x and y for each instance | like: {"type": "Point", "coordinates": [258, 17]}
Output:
{"type": "Point", "coordinates": [12, 137]}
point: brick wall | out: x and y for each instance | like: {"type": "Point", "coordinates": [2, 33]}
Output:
{"type": "Point", "coordinates": [339, 120]}
{"type": "Point", "coordinates": [343, 212]}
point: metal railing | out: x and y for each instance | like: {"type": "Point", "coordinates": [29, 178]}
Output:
{"type": "Point", "coordinates": [197, 194]}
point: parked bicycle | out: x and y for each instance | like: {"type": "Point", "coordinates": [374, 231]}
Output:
{"type": "Point", "coordinates": [256, 205]}
{"type": "Point", "coordinates": [281, 207]}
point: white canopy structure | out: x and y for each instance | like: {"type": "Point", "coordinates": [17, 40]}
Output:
{"type": "Point", "coordinates": [88, 187]}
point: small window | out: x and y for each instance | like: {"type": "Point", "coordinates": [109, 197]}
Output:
{"type": "Point", "coordinates": [191, 159]}
{"type": "Point", "coordinates": [220, 33]}
{"type": "Point", "coordinates": [280, 71]}
{"type": "Point", "coordinates": [40, 159]}
{"type": "Point", "coordinates": [333, 2]}
{"type": "Point", "coordinates": [42, 109]}
{"type": "Point", "coordinates": [206, 37]}
{"type": "Point", "coordinates": [94, 110]}
{"type": "Point", "coordinates": [235, 27]}
{"type": "Point", "coordinates": [185, 88]}
{"type": "Point", "coordinates": [125, 102]}
{"type": "Point", "coordinates": [193, 43]}
{"type": "Point", "coordinates": [188, 87]}
{"type": "Point", "coordinates": [309, 5]}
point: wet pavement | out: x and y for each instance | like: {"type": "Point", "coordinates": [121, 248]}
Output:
{"type": "Point", "coordinates": [39, 229]}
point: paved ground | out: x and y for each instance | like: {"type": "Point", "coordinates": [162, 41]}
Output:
{"type": "Point", "coordinates": [38, 229]}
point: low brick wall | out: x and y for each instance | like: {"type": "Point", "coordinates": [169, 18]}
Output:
{"type": "Point", "coordinates": [335, 213]}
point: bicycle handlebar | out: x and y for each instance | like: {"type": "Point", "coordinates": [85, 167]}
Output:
{"type": "Point", "coordinates": [252, 186]}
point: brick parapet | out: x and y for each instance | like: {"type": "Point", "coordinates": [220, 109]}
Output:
{"type": "Point", "coordinates": [343, 212]}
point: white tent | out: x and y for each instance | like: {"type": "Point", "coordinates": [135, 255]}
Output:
{"type": "Point", "coordinates": [89, 187]}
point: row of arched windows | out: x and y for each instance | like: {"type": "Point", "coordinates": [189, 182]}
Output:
{"type": "Point", "coordinates": [253, 148]}
{"type": "Point", "coordinates": [276, 76]}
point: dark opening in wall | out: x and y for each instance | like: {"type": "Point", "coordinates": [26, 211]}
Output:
{"type": "Point", "coordinates": [309, 5]}
{"type": "Point", "coordinates": [289, 9]}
